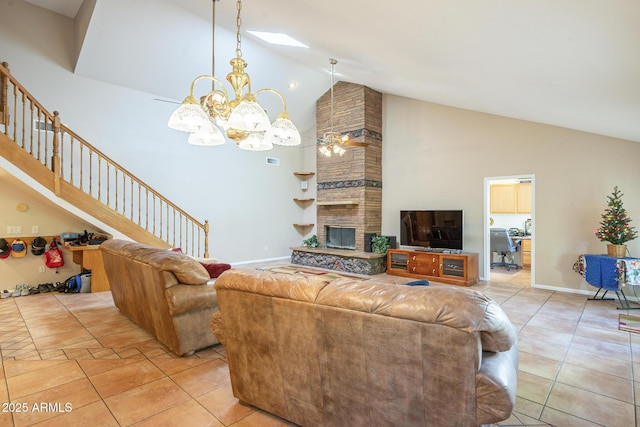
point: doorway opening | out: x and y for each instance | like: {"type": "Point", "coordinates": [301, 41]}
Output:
{"type": "Point", "coordinates": [510, 205]}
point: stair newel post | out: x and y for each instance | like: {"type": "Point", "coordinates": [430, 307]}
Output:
{"type": "Point", "coordinates": [55, 159]}
{"type": "Point", "coordinates": [206, 238]}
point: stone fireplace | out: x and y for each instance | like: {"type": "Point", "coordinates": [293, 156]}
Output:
{"type": "Point", "coordinates": [349, 193]}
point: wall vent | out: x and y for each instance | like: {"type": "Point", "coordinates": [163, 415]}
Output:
{"type": "Point", "coordinates": [273, 161]}
{"type": "Point", "coordinates": [42, 126]}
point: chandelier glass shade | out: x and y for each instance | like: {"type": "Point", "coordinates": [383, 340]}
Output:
{"type": "Point", "coordinates": [242, 119]}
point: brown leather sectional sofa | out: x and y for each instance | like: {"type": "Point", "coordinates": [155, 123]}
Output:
{"type": "Point", "coordinates": [169, 294]}
{"type": "Point", "coordinates": [363, 352]}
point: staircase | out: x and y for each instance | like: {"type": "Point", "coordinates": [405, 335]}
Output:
{"type": "Point", "coordinates": [36, 142]}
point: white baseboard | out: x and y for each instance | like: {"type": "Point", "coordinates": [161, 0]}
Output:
{"type": "Point", "coordinates": [234, 264]}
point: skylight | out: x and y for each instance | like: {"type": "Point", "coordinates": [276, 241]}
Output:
{"type": "Point", "coordinates": [278, 38]}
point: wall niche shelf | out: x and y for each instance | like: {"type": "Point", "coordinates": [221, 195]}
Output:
{"type": "Point", "coordinates": [304, 175]}
{"type": "Point", "coordinates": [304, 202]}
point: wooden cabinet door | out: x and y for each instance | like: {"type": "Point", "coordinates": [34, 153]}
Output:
{"type": "Point", "coordinates": [526, 253]}
{"type": "Point", "coordinates": [453, 266]}
{"type": "Point", "coordinates": [524, 197]}
{"type": "Point", "coordinates": [503, 198]}
{"type": "Point", "coordinates": [397, 261]}
{"type": "Point", "coordinates": [424, 263]}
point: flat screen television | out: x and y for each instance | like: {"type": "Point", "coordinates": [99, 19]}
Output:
{"type": "Point", "coordinates": [436, 229]}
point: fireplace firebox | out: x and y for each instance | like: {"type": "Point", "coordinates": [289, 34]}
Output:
{"type": "Point", "coordinates": [340, 237]}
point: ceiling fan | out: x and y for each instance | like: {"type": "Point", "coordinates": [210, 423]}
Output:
{"type": "Point", "coordinates": [333, 142]}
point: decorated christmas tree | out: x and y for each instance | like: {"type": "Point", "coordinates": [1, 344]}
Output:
{"type": "Point", "coordinates": [614, 227]}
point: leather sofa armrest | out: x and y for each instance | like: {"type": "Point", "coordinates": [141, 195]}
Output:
{"type": "Point", "coordinates": [496, 385]}
{"type": "Point", "coordinates": [217, 327]}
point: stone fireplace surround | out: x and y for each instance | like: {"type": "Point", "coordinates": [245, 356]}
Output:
{"type": "Point", "coordinates": [349, 187]}
{"type": "Point", "coordinates": [349, 192]}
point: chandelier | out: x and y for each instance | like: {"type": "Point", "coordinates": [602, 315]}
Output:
{"type": "Point", "coordinates": [242, 118]}
{"type": "Point", "coordinates": [334, 142]}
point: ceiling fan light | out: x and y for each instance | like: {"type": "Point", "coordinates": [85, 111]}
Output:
{"type": "Point", "coordinates": [188, 118]}
{"type": "Point", "coordinates": [283, 132]}
{"type": "Point", "coordinates": [206, 137]}
{"type": "Point", "coordinates": [249, 116]}
{"type": "Point", "coordinates": [324, 150]}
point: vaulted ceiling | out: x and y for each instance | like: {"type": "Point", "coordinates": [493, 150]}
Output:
{"type": "Point", "coordinates": [570, 63]}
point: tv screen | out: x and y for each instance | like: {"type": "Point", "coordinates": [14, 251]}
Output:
{"type": "Point", "coordinates": [441, 229]}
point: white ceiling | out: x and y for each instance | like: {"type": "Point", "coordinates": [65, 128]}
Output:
{"type": "Point", "coordinates": [570, 63]}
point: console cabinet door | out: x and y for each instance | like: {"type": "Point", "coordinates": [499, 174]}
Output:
{"type": "Point", "coordinates": [454, 267]}
{"type": "Point", "coordinates": [424, 263]}
{"type": "Point", "coordinates": [397, 261]}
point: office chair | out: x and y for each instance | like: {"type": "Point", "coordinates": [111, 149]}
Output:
{"type": "Point", "coordinates": [502, 244]}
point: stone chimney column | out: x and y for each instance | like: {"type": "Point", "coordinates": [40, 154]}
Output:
{"type": "Point", "coordinates": [349, 190]}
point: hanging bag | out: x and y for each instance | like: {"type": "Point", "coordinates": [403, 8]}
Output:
{"type": "Point", "coordinates": [53, 257]}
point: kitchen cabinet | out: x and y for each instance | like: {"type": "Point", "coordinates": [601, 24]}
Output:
{"type": "Point", "coordinates": [525, 246]}
{"type": "Point", "coordinates": [510, 198]}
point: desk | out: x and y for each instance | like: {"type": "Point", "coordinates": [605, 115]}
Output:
{"type": "Point", "coordinates": [609, 274]}
{"type": "Point", "coordinates": [90, 258]}
{"type": "Point", "coordinates": [524, 243]}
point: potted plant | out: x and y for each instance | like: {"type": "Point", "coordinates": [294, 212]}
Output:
{"type": "Point", "coordinates": [311, 242]}
{"type": "Point", "coordinates": [379, 244]}
{"type": "Point", "coordinates": [614, 227]}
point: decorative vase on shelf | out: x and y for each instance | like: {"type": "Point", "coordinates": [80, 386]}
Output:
{"type": "Point", "coordinates": [617, 251]}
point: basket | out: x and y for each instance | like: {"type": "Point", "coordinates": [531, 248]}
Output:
{"type": "Point", "coordinates": [617, 251]}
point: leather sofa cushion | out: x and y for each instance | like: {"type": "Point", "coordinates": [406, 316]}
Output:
{"type": "Point", "coordinates": [301, 288]}
{"type": "Point", "coordinates": [187, 270]}
{"type": "Point", "coordinates": [186, 298]}
{"type": "Point", "coordinates": [455, 307]}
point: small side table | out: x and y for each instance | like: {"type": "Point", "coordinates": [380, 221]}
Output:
{"type": "Point", "coordinates": [90, 258]}
{"type": "Point", "coordinates": [605, 273]}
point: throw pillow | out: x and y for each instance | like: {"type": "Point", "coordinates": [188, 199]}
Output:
{"type": "Point", "coordinates": [215, 269]}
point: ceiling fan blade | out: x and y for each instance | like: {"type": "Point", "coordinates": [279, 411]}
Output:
{"type": "Point", "coordinates": [167, 100]}
{"type": "Point", "coordinates": [356, 144]}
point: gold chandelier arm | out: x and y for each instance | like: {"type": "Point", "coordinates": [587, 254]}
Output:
{"type": "Point", "coordinates": [212, 78]}
{"type": "Point", "coordinates": [284, 113]}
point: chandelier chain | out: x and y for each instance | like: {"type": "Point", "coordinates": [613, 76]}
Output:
{"type": "Point", "coordinates": [238, 25]}
{"type": "Point", "coordinates": [213, 43]}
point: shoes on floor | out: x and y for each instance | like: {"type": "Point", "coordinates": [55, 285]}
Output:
{"type": "Point", "coordinates": [45, 287]}
{"type": "Point", "coordinates": [5, 294]}
{"type": "Point", "coordinates": [21, 290]}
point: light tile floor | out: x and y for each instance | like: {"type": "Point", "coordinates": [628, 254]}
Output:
{"type": "Point", "coordinates": [73, 359]}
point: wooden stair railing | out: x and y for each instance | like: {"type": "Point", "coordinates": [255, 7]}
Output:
{"type": "Point", "coordinates": [40, 145]}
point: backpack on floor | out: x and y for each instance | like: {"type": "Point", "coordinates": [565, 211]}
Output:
{"type": "Point", "coordinates": [72, 285]}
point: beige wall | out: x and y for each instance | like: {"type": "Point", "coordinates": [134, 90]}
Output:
{"type": "Point", "coordinates": [437, 157]}
{"type": "Point", "coordinates": [50, 218]}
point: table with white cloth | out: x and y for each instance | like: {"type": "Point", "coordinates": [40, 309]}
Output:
{"type": "Point", "coordinates": [609, 274]}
